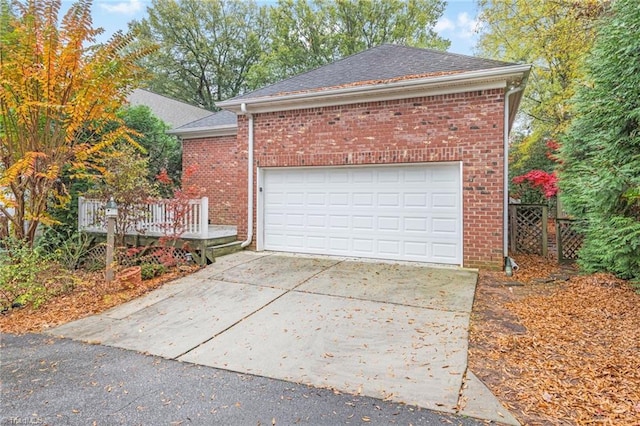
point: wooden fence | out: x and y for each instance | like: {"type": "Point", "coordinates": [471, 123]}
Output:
{"type": "Point", "coordinates": [156, 219]}
{"type": "Point", "coordinates": [528, 228]}
{"type": "Point", "coordinates": [568, 240]}
{"type": "Point", "coordinates": [529, 233]}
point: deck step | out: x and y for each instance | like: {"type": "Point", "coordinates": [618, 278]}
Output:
{"type": "Point", "coordinates": [213, 252]}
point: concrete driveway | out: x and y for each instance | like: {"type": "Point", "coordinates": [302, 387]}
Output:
{"type": "Point", "coordinates": [388, 330]}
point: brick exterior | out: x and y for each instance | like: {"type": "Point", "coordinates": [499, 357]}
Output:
{"type": "Point", "coordinates": [465, 127]}
{"type": "Point", "coordinates": [216, 170]}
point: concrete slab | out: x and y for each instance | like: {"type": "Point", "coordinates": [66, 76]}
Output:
{"type": "Point", "coordinates": [285, 272]}
{"type": "Point", "coordinates": [478, 402]}
{"type": "Point", "coordinates": [412, 285]}
{"type": "Point", "coordinates": [395, 331]}
{"type": "Point", "coordinates": [166, 291]}
{"type": "Point", "coordinates": [174, 326]}
{"type": "Point", "coordinates": [399, 353]}
{"type": "Point", "coordinates": [223, 263]}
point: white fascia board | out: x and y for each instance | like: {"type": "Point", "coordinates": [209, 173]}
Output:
{"type": "Point", "coordinates": [205, 132]}
{"type": "Point", "coordinates": [402, 89]}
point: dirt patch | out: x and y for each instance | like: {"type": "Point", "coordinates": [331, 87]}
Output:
{"type": "Point", "coordinates": [557, 347]}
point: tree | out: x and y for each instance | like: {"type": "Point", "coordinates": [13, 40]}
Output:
{"type": "Point", "coordinates": [555, 37]}
{"type": "Point", "coordinates": [213, 50]}
{"type": "Point", "coordinates": [311, 33]}
{"type": "Point", "coordinates": [206, 47]}
{"type": "Point", "coordinates": [58, 92]}
{"type": "Point", "coordinates": [600, 173]}
{"type": "Point", "coordinates": [163, 151]}
{"type": "Point", "coordinates": [126, 178]}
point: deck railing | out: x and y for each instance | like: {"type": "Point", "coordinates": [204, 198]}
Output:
{"type": "Point", "coordinates": [154, 219]}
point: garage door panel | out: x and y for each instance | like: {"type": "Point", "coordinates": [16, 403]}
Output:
{"type": "Point", "coordinates": [444, 201]}
{"type": "Point", "coordinates": [416, 249]}
{"type": "Point", "coordinates": [389, 212]}
{"type": "Point", "coordinates": [415, 224]}
{"type": "Point", "coordinates": [390, 199]}
{"type": "Point", "coordinates": [363, 199]}
{"type": "Point", "coordinates": [416, 199]}
{"type": "Point", "coordinates": [416, 175]}
{"type": "Point", "coordinates": [444, 226]}
{"type": "Point", "coordinates": [339, 199]}
{"type": "Point", "coordinates": [316, 199]}
{"type": "Point", "coordinates": [389, 175]}
{"type": "Point", "coordinates": [362, 223]}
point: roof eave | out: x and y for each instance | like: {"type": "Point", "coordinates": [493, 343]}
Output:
{"type": "Point", "coordinates": [427, 86]}
{"type": "Point", "coordinates": [205, 132]}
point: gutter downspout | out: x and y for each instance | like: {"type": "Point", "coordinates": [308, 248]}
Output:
{"type": "Point", "coordinates": [505, 218]}
{"type": "Point", "coordinates": [243, 108]}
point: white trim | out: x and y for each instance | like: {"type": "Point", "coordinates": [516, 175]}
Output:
{"type": "Point", "coordinates": [205, 132]}
{"type": "Point", "coordinates": [410, 88]}
{"type": "Point", "coordinates": [260, 210]}
{"type": "Point", "coordinates": [462, 246]}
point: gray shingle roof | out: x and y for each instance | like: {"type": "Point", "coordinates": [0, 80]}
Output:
{"type": "Point", "coordinates": [383, 62]}
{"type": "Point", "coordinates": [220, 118]}
{"type": "Point", "coordinates": [171, 111]}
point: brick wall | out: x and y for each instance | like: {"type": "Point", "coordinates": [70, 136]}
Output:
{"type": "Point", "coordinates": [216, 171]}
{"type": "Point", "coordinates": [465, 127]}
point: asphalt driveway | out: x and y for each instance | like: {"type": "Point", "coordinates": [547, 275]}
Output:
{"type": "Point", "coordinates": [391, 331]}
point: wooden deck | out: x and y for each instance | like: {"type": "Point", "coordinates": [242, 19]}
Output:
{"type": "Point", "coordinates": [220, 240]}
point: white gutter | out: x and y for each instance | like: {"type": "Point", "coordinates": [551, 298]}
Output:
{"type": "Point", "coordinates": [205, 132]}
{"type": "Point", "coordinates": [505, 217]}
{"type": "Point", "coordinates": [380, 88]}
{"type": "Point", "coordinates": [243, 109]}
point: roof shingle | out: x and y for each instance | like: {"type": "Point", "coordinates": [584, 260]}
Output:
{"type": "Point", "coordinates": [384, 62]}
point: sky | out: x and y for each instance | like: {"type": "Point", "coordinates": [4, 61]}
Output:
{"type": "Point", "coordinates": [457, 24]}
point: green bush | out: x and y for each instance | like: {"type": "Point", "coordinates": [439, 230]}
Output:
{"type": "Point", "coordinates": [152, 270]}
{"type": "Point", "coordinates": [70, 250]}
{"type": "Point", "coordinates": [600, 173]}
{"type": "Point", "coordinates": [29, 276]}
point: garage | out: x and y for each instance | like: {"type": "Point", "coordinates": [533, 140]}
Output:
{"type": "Point", "coordinates": [409, 212]}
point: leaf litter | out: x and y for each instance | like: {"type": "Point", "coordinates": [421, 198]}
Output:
{"type": "Point", "coordinates": [557, 347]}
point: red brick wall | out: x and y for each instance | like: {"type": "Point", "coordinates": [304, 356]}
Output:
{"type": "Point", "coordinates": [216, 171]}
{"type": "Point", "coordinates": [465, 127]}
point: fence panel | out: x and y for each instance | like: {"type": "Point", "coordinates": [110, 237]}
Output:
{"type": "Point", "coordinates": [569, 240]}
{"type": "Point", "coordinates": [528, 228]}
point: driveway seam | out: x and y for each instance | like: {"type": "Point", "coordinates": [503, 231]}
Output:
{"type": "Point", "coordinates": [380, 301]}
{"type": "Point", "coordinates": [286, 291]}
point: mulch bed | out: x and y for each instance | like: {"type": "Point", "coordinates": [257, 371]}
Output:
{"type": "Point", "coordinates": [557, 347]}
{"type": "Point", "coordinates": [90, 297]}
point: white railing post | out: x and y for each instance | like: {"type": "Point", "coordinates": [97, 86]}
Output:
{"type": "Point", "coordinates": [81, 213]}
{"type": "Point", "coordinates": [204, 217]}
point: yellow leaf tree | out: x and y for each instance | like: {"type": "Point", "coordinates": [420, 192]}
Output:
{"type": "Point", "coordinates": [59, 96]}
{"type": "Point", "coordinates": [553, 35]}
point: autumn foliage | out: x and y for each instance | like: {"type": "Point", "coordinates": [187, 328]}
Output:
{"type": "Point", "coordinates": [59, 94]}
{"type": "Point", "coordinates": [546, 182]}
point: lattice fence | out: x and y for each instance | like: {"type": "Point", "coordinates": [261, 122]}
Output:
{"type": "Point", "coordinates": [124, 257]}
{"type": "Point", "coordinates": [569, 240]}
{"type": "Point", "coordinates": [528, 228]}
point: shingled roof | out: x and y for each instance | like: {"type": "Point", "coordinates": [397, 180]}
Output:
{"type": "Point", "coordinates": [171, 111]}
{"type": "Point", "coordinates": [215, 124]}
{"type": "Point", "coordinates": [385, 62]}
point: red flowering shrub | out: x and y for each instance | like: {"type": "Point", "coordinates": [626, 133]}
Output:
{"type": "Point", "coordinates": [546, 182]}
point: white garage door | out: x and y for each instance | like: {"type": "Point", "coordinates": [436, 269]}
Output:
{"type": "Point", "coordinates": [408, 212]}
